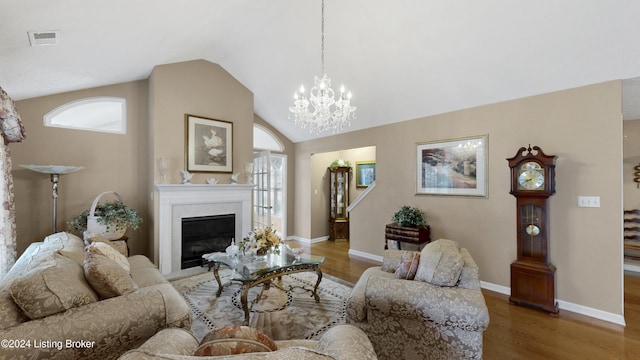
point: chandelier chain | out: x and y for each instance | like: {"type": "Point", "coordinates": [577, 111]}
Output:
{"type": "Point", "coordinates": [322, 40]}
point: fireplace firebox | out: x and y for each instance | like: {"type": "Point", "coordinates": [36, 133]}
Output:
{"type": "Point", "coordinates": [205, 234]}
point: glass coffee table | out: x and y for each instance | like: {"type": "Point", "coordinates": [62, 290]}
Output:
{"type": "Point", "coordinates": [252, 271]}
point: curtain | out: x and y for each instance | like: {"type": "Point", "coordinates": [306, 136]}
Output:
{"type": "Point", "coordinates": [11, 130]}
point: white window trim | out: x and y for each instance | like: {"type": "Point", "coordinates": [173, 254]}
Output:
{"type": "Point", "coordinates": [274, 138]}
{"type": "Point", "coordinates": [51, 115]}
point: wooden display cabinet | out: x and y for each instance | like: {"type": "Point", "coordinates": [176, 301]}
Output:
{"type": "Point", "coordinates": [338, 201]}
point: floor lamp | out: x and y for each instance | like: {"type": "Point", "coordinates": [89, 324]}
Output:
{"type": "Point", "coordinates": [55, 171]}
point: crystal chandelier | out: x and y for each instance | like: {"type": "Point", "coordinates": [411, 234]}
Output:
{"type": "Point", "coordinates": [326, 113]}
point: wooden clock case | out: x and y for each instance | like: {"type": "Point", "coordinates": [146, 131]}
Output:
{"type": "Point", "coordinates": [532, 275]}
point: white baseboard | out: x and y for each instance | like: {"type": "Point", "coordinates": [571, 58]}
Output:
{"type": "Point", "coordinates": [365, 255]}
{"type": "Point", "coordinates": [565, 305]}
{"type": "Point", "coordinates": [497, 288]}
{"type": "Point", "coordinates": [307, 240]}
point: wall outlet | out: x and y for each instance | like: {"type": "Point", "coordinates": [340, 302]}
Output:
{"type": "Point", "coordinates": [588, 201]}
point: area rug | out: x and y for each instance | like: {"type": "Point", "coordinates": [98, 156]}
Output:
{"type": "Point", "coordinates": [286, 314]}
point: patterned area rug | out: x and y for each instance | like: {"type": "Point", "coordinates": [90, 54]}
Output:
{"type": "Point", "coordinates": [281, 314]}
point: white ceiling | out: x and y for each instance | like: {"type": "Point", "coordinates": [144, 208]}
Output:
{"type": "Point", "coordinates": [402, 59]}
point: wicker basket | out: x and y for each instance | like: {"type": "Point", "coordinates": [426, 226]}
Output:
{"type": "Point", "coordinates": [94, 227]}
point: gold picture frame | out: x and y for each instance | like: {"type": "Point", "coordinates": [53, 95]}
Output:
{"type": "Point", "coordinates": [365, 173]}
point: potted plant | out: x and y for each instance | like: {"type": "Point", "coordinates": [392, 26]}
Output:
{"type": "Point", "coordinates": [113, 215]}
{"type": "Point", "coordinates": [408, 224]}
{"type": "Point", "coordinates": [339, 163]}
{"type": "Point", "coordinates": [409, 216]}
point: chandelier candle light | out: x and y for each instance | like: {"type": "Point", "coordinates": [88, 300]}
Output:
{"type": "Point", "coordinates": [326, 112]}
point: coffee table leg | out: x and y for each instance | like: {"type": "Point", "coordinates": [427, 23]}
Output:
{"type": "Point", "coordinates": [216, 266]}
{"type": "Point", "coordinates": [243, 300]}
{"type": "Point", "coordinates": [315, 289]}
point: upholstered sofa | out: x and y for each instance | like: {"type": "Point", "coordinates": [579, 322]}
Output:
{"type": "Point", "coordinates": [341, 342]}
{"type": "Point", "coordinates": [50, 310]}
{"type": "Point", "coordinates": [422, 305]}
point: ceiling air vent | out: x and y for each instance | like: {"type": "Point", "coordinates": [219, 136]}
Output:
{"type": "Point", "coordinates": [44, 38]}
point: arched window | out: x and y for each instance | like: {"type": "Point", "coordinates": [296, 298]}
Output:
{"type": "Point", "coordinates": [103, 114]}
{"type": "Point", "coordinates": [264, 139]}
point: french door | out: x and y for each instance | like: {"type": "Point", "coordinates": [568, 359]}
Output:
{"type": "Point", "coordinates": [269, 195]}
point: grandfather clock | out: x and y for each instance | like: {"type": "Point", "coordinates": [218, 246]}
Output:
{"type": "Point", "coordinates": [532, 183]}
{"type": "Point", "coordinates": [338, 202]}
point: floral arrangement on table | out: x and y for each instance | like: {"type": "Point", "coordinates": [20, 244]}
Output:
{"type": "Point", "coordinates": [262, 240]}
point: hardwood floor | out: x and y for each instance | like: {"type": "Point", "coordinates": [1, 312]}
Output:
{"type": "Point", "coordinates": [517, 332]}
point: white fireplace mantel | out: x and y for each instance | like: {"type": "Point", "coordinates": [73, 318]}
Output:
{"type": "Point", "coordinates": [176, 201]}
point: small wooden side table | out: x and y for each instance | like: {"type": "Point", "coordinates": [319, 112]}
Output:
{"type": "Point", "coordinates": [413, 235]}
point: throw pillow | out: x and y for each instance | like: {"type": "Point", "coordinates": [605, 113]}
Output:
{"type": "Point", "coordinates": [73, 249]}
{"type": "Point", "coordinates": [120, 245]}
{"type": "Point", "coordinates": [392, 258]}
{"type": "Point", "coordinates": [231, 340]}
{"type": "Point", "coordinates": [105, 276]}
{"type": "Point", "coordinates": [440, 263]}
{"type": "Point", "coordinates": [111, 253]}
{"type": "Point", "coordinates": [408, 266]}
{"type": "Point", "coordinates": [50, 290]}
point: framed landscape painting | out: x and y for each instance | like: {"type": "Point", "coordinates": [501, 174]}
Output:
{"type": "Point", "coordinates": [452, 167]}
{"type": "Point", "coordinates": [365, 173]}
{"type": "Point", "coordinates": [209, 144]}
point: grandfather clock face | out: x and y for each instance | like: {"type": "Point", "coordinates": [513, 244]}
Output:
{"type": "Point", "coordinates": [531, 176]}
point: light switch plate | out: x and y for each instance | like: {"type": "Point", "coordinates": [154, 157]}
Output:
{"type": "Point", "coordinates": [588, 201]}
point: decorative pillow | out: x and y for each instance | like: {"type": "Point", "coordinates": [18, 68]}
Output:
{"type": "Point", "coordinates": [392, 258]}
{"type": "Point", "coordinates": [90, 237]}
{"type": "Point", "coordinates": [408, 266]}
{"type": "Point", "coordinates": [107, 278]}
{"type": "Point", "coordinates": [231, 340]}
{"type": "Point", "coordinates": [50, 290]}
{"type": "Point", "coordinates": [120, 245]}
{"type": "Point", "coordinates": [111, 253]}
{"type": "Point", "coordinates": [440, 263]}
{"type": "Point", "coordinates": [73, 250]}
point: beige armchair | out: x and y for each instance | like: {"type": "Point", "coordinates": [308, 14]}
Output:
{"type": "Point", "coordinates": [341, 342]}
{"type": "Point", "coordinates": [441, 314]}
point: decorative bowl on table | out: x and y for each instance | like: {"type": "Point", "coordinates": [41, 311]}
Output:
{"type": "Point", "coordinates": [296, 251]}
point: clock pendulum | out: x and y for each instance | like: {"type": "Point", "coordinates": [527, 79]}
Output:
{"type": "Point", "coordinates": [532, 275]}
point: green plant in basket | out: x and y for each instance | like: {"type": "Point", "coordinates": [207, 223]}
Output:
{"type": "Point", "coordinates": [113, 214]}
{"type": "Point", "coordinates": [409, 216]}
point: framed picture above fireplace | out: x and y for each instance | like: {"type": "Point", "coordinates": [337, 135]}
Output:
{"type": "Point", "coordinates": [209, 144]}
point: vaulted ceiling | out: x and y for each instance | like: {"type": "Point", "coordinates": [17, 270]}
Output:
{"type": "Point", "coordinates": [402, 59]}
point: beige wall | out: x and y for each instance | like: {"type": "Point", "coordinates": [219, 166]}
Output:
{"type": "Point", "coordinates": [199, 88]}
{"type": "Point", "coordinates": [581, 126]}
{"type": "Point", "coordinates": [113, 162]}
{"type": "Point", "coordinates": [320, 193]}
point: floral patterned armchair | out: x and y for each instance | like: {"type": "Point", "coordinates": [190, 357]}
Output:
{"type": "Point", "coordinates": [422, 305]}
